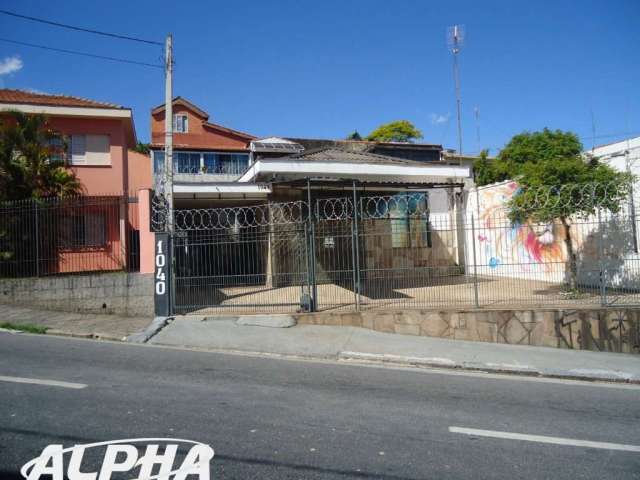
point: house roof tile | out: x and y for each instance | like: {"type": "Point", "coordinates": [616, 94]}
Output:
{"type": "Point", "coordinates": [338, 155]}
{"type": "Point", "coordinates": [35, 98]}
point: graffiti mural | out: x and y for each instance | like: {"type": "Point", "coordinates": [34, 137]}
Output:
{"type": "Point", "coordinates": [521, 247]}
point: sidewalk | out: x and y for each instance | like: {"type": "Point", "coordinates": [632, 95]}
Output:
{"type": "Point", "coordinates": [106, 327]}
{"type": "Point", "coordinates": [360, 344]}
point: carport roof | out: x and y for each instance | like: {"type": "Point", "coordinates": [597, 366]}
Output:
{"type": "Point", "coordinates": [329, 154]}
{"type": "Point", "coordinates": [337, 164]}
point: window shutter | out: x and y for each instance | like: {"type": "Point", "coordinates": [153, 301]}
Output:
{"type": "Point", "coordinates": [78, 150]}
{"type": "Point", "coordinates": [98, 150]}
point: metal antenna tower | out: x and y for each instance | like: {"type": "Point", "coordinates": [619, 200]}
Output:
{"type": "Point", "coordinates": [476, 112]}
{"type": "Point", "coordinates": [455, 39]}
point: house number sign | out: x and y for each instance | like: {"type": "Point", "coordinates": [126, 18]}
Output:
{"type": "Point", "coordinates": [162, 276]}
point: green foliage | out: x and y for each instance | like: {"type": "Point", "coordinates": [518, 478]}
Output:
{"type": "Point", "coordinates": [557, 183]}
{"type": "Point", "coordinates": [483, 169]}
{"type": "Point", "coordinates": [567, 187]}
{"type": "Point", "coordinates": [354, 136]}
{"type": "Point", "coordinates": [24, 327]}
{"type": "Point", "coordinates": [532, 147]}
{"type": "Point", "coordinates": [32, 160]}
{"type": "Point", "coordinates": [142, 148]}
{"type": "Point", "coordinates": [528, 148]}
{"type": "Point", "coordinates": [398, 131]}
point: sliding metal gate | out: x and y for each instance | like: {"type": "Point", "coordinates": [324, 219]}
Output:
{"type": "Point", "coordinates": [287, 257]}
{"type": "Point", "coordinates": [242, 259]}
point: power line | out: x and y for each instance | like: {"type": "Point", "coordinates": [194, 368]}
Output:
{"type": "Point", "coordinates": [84, 54]}
{"type": "Point", "coordinates": [81, 29]}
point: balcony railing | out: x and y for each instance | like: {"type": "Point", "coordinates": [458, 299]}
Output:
{"type": "Point", "coordinates": [192, 163]}
{"type": "Point", "coordinates": [193, 170]}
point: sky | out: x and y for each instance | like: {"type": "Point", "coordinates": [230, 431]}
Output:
{"type": "Point", "coordinates": [324, 68]}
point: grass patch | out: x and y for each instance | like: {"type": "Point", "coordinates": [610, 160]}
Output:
{"type": "Point", "coordinates": [24, 327]}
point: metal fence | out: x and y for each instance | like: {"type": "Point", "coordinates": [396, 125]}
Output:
{"type": "Point", "coordinates": [390, 251]}
{"type": "Point", "coordinates": [53, 236]}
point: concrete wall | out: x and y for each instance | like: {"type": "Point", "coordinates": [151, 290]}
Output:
{"type": "Point", "coordinates": [538, 251]}
{"type": "Point", "coordinates": [140, 172]}
{"type": "Point", "coordinates": [128, 294]}
{"type": "Point", "coordinates": [598, 329]}
{"type": "Point", "coordinates": [99, 179]}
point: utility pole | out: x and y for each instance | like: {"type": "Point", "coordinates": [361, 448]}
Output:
{"type": "Point", "coordinates": [456, 37]}
{"type": "Point", "coordinates": [168, 132]}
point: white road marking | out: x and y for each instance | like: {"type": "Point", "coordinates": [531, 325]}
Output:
{"type": "Point", "coordinates": [38, 381]}
{"type": "Point", "coordinates": [545, 439]}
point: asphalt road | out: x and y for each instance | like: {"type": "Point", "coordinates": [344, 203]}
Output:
{"type": "Point", "coordinates": [277, 419]}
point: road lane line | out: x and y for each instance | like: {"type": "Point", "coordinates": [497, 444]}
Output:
{"type": "Point", "coordinates": [38, 381]}
{"type": "Point", "coordinates": [545, 439]}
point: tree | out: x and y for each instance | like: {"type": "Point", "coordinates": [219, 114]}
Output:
{"type": "Point", "coordinates": [32, 161]}
{"type": "Point", "coordinates": [527, 148]}
{"type": "Point", "coordinates": [398, 131]}
{"type": "Point", "coordinates": [142, 148]}
{"type": "Point", "coordinates": [354, 136]}
{"type": "Point", "coordinates": [483, 169]}
{"type": "Point", "coordinates": [558, 184]}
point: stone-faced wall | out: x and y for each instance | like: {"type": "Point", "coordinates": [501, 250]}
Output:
{"type": "Point", "coordinates": [128, 294]}
{"type": "Point", "coordinates": [598, 329]}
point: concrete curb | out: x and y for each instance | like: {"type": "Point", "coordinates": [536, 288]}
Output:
{"type": "Point", "coordinates": [269, 321]}
{"type": "Point", "coordinates": [435, 362]}
{"type": "Point", "coordinates": [94, 335]}
{"type": "Point", "coordinates": [157, 324]}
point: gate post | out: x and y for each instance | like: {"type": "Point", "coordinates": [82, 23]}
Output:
{"type": "Point", "coordinates": [163, 284]}
{"type": "Point", "coordinates": [475, 263]}
{"type": "Point", "coordinates": [312, 252]}
{"type": "Point", "coordinates": [601, 265]}
{"type": "Point", "coordinates": [355, 250]}
{"type": "Point", "coordinates": [37, 239]}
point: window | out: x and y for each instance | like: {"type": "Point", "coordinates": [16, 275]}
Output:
{"type": "Point", "coordinates": [158, 161]}
{"type": "Point", "coordinates": [212, 163]}
{"type": "Point", "coordinates": [90, 150]}
{"type": "Point", "coordinates": [409, 220]}
{"type": "Point", "coordinates": [180, 123]}
{"type": "Point", "coordinates": [57, 150]}
{"type": "Point", "coordinates": [78, 150]}
{"type": "Point", "coordinates": [83, 230]}
{"type": "Point", "coordinates": [226, 163]}
{"type": "Point", "coordinates": [184, 162]}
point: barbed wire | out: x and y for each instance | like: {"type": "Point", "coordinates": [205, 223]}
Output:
{"type": "Point", "coordinates": [395, 206]}
{"type": "Point", "coordinates": [581, 199]}
{"type": "Point", "coordinates": [554, 200]}
{"type": "Point", "coordinates": [241, 217]}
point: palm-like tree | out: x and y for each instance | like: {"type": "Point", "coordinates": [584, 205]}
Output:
{"type": "Point", "coordinates": [32, 167]}
{"type": "Point", "coordinates": [32, 160]}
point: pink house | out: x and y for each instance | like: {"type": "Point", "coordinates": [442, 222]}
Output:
{"type": "Point", "coordinates": [102, 233]}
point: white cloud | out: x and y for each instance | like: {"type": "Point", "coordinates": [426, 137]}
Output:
{"type": "Point", "coordinates": [10, 65]}
{"type": "Point", "coordinates": [35, 90]}
{"type": "Point", "coordinates": [438, 119]}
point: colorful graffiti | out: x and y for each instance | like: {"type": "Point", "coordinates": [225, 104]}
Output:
{"type": "Point", "coordinates": [518, 245]}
